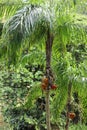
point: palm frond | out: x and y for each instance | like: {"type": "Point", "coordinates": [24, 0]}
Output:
{"type": "Point", "coordinates": [33, 94]}
{"type": "Point", "coordinates": [34, 56]}
{"type": "Point", "coordinates": [59, 102]}
{"type": "Point", "coordinates": [27, 19]}
{"type": "Point", "coordinates": [8, 8]}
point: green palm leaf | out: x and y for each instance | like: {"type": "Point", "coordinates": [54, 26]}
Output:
{"type": "Point", "coordinates": [8, 8]}
{"type": "Point", "coordinates": [27, 19]}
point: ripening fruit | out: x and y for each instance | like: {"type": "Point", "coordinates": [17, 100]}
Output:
{"type": "Point", "coordinates": [72, 115]}
{"type": "Point", "coordinates": [53, 87]}
{"type": "Point", "coordinates": [45, 80]}
{"type": "Point", "coordinates": [43, 86]}
{"type": "Point", "coordinates": [44, 83]}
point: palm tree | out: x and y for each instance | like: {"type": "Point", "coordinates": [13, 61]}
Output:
{"type": "Point", "coordinates": [34, 22]}
{"type": "Point", "coordinates": [27, 20]}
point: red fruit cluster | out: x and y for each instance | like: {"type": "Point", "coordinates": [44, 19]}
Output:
{"type": "Point", "coordinates": [44, 83]}
{"type": "Point", "coordinates": [53, 87]}
{"type": "Point", "coordinates": [72, 115]}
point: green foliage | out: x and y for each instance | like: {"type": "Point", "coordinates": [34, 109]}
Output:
{"type": "Point", "coordinates": [20, 90]}
{"type": "Point", "coordinates": [14, 82]}
{"type": "Point", "coordinates": [27, 18]}
{"type": "Point", "coordinates": [68, 67]}
{"type": "Point", "coordinates": [82, 7]}
{"type": "Point", "coordinates": [35, 55]}
{"type": "Point", "coordinates": [62, 78]}
{"type": "Point", "coordinates": [33, 94]}
{"type": "Point", "coordinates": [78, 127]}
{"type": "Point", "coordinates": [83, 100]}
{"type": "Point", "coordinates": [32, 21]}
{"type": "Point", "coordinates": [35, 2]}
{"type": "Point", "coordinates": [8, 8]}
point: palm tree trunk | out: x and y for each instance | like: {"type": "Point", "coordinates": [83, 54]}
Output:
{"type": "Point", "coordinates": [68, 105]}
{"type": "Point", "coordinates": [48, 110]}
{"type": "Point", "coordinates": [49, 42]}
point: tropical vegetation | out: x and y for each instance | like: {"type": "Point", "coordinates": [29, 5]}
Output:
{"type": "Point", "coordinates": [43, 64]}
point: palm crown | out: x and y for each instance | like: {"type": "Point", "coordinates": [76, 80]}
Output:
{"type": "Point", "coordinates": [28, 19]}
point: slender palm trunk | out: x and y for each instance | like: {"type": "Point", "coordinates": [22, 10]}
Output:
{"type": "Point", "coordinates": [49, 42]}
{"type": "Point", "coordinates": [48, 111]}
{"type": "Point", "coordinates": [68, 105]}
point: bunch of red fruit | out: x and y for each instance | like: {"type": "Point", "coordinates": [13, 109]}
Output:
{"type": "Point", "coordinates": [45, 83]}
{"type": "Point", "coordinates": [71, 115]}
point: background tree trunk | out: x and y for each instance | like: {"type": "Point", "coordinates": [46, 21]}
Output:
{"type": "Point", "coordinates": [68, 105]}
{"type": "Point", "coordinates": [49, 42]}
{"type": "Point", "coordinates": [78, 117]}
